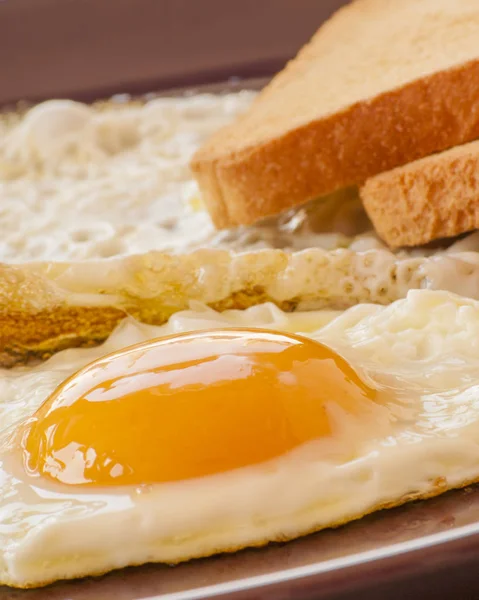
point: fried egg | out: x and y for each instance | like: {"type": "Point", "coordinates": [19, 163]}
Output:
{"type": "Point", "coordinates": [216, 432]}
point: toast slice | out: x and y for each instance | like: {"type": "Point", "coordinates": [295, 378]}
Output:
{"type": "Point", "coordinates": [429, 199]}
{"type": "Point", "coordinates": [382, 83]}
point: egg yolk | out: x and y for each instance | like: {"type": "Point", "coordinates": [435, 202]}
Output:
{"type": "Point", "coordinates": [188, 406]}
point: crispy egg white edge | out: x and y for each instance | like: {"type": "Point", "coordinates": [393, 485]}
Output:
{"type": "Point", "coordinates": [94, 533]}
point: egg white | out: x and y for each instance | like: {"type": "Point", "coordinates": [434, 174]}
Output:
{"type": "Point", "coordinates": [423, 352]}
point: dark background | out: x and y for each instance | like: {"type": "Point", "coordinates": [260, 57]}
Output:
{"type": "Point", "coordinates": [92, 48]}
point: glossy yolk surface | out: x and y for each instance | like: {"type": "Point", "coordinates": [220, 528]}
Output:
{"type": "Point", "coordinates": [188, 406]}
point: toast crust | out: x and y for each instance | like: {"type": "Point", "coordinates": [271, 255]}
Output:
{"type": "Point", "coordinates": [429, 199]}
{"type": "Point", "coordinates": [426, 116]}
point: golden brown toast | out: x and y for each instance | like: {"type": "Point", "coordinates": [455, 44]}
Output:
{"type": "Point", "coordinates": [429, 199]}
{"type": "Point", "coordinates": [381, 84]}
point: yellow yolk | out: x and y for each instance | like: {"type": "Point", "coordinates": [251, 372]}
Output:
{"type": "Point", "coordinates": [189, 405]}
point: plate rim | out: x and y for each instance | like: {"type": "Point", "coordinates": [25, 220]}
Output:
{"type": "Point", "coordinates": [405, 552]}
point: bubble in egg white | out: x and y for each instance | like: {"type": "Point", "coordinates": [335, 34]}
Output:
{"type": "Point", "coordinates": [53, 127]}
{"type": "Point", "coordinates": [114, 135]}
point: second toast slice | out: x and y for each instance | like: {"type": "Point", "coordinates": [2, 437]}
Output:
{"type": "Point", "coordinates": [429, 199]}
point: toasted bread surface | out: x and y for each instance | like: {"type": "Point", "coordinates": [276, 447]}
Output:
{"type": "Point", "coordinates": [429, 199]}
{"type": "Point", "coordinates": [382, 83]}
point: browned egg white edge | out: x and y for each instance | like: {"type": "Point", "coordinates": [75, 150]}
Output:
{"type": "Point", "coordinates": [49, 306]}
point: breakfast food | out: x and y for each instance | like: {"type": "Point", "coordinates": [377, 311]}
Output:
{"type": "Point", "coordinates": [114, 174]}
{"type": "Point", "coordinates": [382, 83]}
{"type": "Point", "coordinates": [381, 411]}
{"type": "Point", "coordinates": [100, 218]}
{"type": "Point", "coordinates": [429, 199]}
{"type": "Point", "coordinates": [256, 384]}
